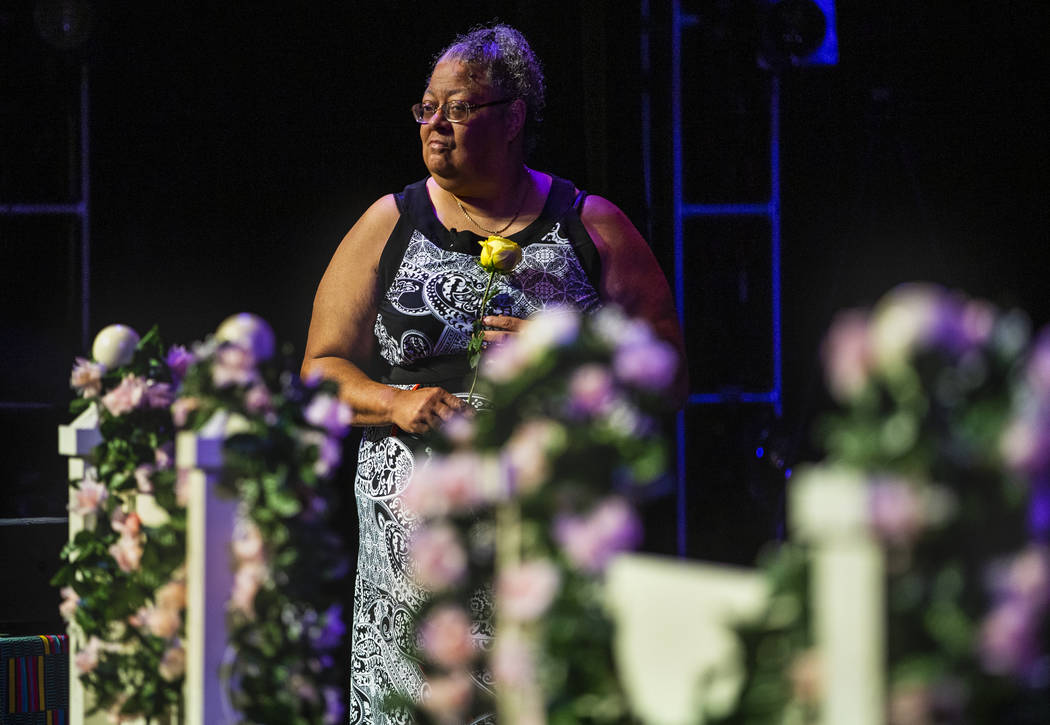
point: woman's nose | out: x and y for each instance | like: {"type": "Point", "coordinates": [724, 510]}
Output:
{"type": "Point", "coordinates": [438, 119]}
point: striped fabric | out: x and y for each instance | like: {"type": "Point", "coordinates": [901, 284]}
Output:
{"type": "Point", "coordinates": [34, 680]}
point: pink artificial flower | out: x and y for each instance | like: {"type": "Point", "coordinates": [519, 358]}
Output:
{"type": "Point", "coordinates": [143, 478]}
{"type": "Point", "coordinates": [86, 377]}
{"type": "Point", "coordinates": [807, 676]}
{"type": "Point", "coordinates": [896, 511]}
{"type": "Point", "coordinates": [247, 541]}
{"type": "Point", "coordinates": [328, 412]}
{"type": "Point", "coordinates": [181, 409]}
{"type": "Point", "coordinates": [182, 487]}
{"type": "Point", "coordinates": [258, 399]}
{"type": "Point", "coordinates": [847, 355]}
{"type": "Point", "coordinates": [1028, 577]}
{"type": "Point", "coordinates": [447, 697]}
{"type": "Point", "coordinates": [513, 661]}
{"type": "Point", "coordinates": [86, 659]}
{"type": "Point", "coordinates": [527, 453]}
{"type": "Point", "coordinates": [163, 622]}
{"type": "Point", "coordinates": [1037, 370]}
{"type": "Point", "coordinates": [329, 451]}
{"type": "Point", "coordinates": [126, 524]}
{"type": "Point", "coordinates": [438, 559]}
{"type": "Point", "coordinates": [1025, 444]}
{"type": "Point", "coordinates": [70, 602]}
{"type": "Point", "coordinates": [173, 663]}
{"type": "Point", "coordinates": [126, 397]}
{"type": "Point", "coordinates": [89, 495]}
{"type": "Point", "coordinates": [977, 322]}
{"type": "Point", "coordinates": [172, 595]}
{"type": "Point", "coordinates": [164, 456]}
{"type": "Point", "coordinates": [459, 429]}
{"type": "Point", "coordinates": [246, 583]}
{"type": "Point", "coordinates": [503, 363]}
{"type": "Point", "coordinates": [127, 551]}
{"type": "Point", "coordinates": [445, 484]}
{"type": "Point", "coordinates": [552, 327]}
{"type": "Point", "coordinates": [179, 361]}
{"type": "Point", "coordinates": [591, 390]}
{"type": "Point", "coordinates": [591, 541]}
{"type": "Point", "coordinates": [1008, 640]}
{"type": "Point", "coordinates": [302, 687]}
{"type": "Point", "coordinates": [909, 704]}
{"type": "Point", "coordinates": [524, 592]}
{"type": "Point", "coordinates": [446, 636]}
{"type": "Point", "coordinates": [233, 365]}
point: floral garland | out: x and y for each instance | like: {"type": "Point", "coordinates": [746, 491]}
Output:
{"type": "Point", "coordinates": [122, 579]}
{"type": "Point", "coordinates": [928, 381]}
{"type": "Point", "coordinates": [521, 510]}
{"type": "Point", "coordinates": [284, 617]}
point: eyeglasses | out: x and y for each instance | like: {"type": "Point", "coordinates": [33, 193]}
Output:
{"type": "Point", "coordinates": [454, 111]}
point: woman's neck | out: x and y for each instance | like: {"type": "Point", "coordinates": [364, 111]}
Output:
{"type": "Point", "coordinates": [502, 196]}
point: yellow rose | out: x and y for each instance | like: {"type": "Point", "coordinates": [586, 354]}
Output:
{"type": "Point", "coordinates": [499, 254]}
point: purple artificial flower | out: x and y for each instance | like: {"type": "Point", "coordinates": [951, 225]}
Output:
{"type": "Point", "coordinates": [333, 631]}
{"type": "Point", "coordinates": [650, 365]}
{"type": "Point", "coordinates": [590, 541]}
{"type": "Point", "coordinates": [179, 360]}
{"type": "Point", "coordinates": [233, 365]}
{"type": "Point", "coordinates": [591, 390]}
{"type": "Point", "coordinates": [328, 412]}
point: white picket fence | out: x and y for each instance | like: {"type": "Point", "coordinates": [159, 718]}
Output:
{"type": "Point", "coordinates": [210, 520]}
{"type": "Point", "coordinates": [675, 619]}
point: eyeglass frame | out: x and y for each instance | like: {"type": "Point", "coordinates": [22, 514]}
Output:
{"type": "Point", "coordinates": [471, 107]}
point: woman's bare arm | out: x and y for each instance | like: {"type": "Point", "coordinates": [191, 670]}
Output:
{"type": "Point", "coordinates": [632, 279]}
{"type": "Point", "coordinates": [341, 341]}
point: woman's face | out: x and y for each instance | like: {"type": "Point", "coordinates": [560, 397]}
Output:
{"type": "Point", "coordinates": [458, 153]}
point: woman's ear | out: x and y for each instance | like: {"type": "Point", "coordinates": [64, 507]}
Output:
{"type": "Point", "coordinates": [515, 118]}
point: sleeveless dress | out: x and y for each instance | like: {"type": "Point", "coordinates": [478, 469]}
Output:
{"type": "Point", "coordinates": [431, 287]}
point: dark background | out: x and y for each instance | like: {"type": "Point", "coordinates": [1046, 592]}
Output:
{"type": "Point", "coordinates": [233, 144]}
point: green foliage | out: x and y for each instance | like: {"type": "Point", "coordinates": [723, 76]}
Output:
{"type": "Point", "coordinates": [127, 678]}
{"type": "Point", "coordinates": [565, 453]}
{"type": "Point", "coordinates": [283, 671]}
{"type": "Point", "coordinates": [927, 384]}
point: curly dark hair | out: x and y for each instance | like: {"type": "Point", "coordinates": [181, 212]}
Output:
{"type": "Point", "coordinates": [508, 64]}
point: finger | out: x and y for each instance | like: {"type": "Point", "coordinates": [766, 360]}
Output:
{"type": "Point", "coordinates": [494, 337]}
{"type": "Point", "coordinates": [502, 322]}
{"type": "Point", "coordinates": [456, 403]}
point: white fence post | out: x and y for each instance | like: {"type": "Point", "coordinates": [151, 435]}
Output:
{"type": "Point", "coordinates": [676, 647]}
{"type": "Point", "coordinates": [830, 511]}
{"type": "Point", "coordinates": [209, 574]}
{"type": "Point", "coordinates": [77, 441]}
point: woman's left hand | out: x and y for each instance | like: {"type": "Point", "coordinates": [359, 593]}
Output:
{"type": "Point", "coordinates": [499, 328]}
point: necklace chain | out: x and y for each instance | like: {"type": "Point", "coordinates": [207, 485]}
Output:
{"type": "Point", "coordinates": [505, 227]}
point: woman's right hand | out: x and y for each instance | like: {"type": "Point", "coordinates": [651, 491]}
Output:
{"type": "Point", "coordinates": [424, 409]}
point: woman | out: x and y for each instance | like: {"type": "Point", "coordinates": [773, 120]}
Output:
{"type": "Point", "coordinates": [393, 313]}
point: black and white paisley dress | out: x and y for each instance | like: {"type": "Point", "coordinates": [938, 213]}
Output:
{"type": "Point", "coordinates": [432, 285]}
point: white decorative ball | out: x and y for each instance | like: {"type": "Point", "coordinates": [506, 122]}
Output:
{"type": "Point", "coordinates": [249, 331]}
{"type": "Point", "coordinates": [114, 346]}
